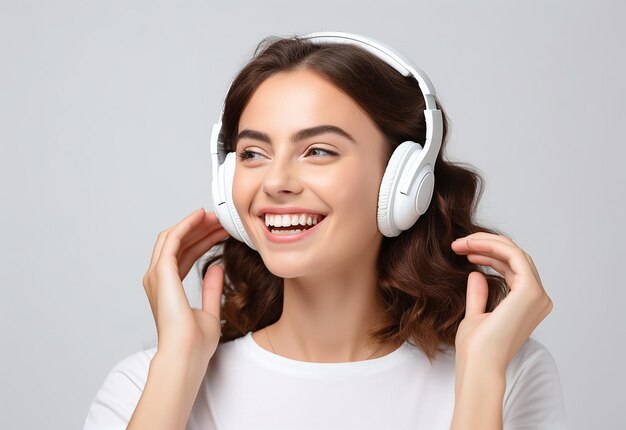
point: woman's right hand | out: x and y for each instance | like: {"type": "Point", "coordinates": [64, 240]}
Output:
{"type": "Point", "coordinates": [183, 331]}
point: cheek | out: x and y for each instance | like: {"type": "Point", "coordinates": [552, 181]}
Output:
{"type": "Point", "coordinates": [241, 192]}
{"type": "Point", "coordinates": [356, 192]}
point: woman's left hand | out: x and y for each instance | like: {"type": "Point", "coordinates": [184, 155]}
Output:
{"type": "Point", "coordinates": [493, 338]}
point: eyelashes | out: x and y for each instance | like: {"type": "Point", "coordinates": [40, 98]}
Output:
{"type": "Point", "coordinates": [246, 154]}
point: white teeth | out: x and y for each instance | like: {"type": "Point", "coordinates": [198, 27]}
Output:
{"type": "Point", "coordinates": [287, 220]}
{"type": "Point", "coordinates": [286, 231]}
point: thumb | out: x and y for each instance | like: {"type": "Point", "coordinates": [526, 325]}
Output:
{"type": "Point", "coordinates": [477, 292]}
{"type": "Point", "coordinates": [212, 286]}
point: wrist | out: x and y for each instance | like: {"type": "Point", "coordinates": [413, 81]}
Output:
{"type": "Point", "coordinates": [183, 365]}
{"type": "Point", "coordinates": [482, 363]}
{"type": "Point", "coordinates": [169, 393]}
{"type": "Point", "coordinates": [480, 377]}
{"type": "Point", "coordinates": [479, 393]}
{"type": "Point", "coordinates": [189, 353]}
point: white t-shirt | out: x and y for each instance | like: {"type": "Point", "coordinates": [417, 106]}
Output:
{"type": "Point", "coordinates": [248, 387]}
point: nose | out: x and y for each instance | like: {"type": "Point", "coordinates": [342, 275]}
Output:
{"type": "Point", "coordinates": [281, 178]}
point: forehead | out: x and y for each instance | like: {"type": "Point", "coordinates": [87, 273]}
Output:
{"type": "Point", "coordinates": [288, 101]}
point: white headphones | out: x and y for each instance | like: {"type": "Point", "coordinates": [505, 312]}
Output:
{"type": "Point", "coordinates": [408, 183]}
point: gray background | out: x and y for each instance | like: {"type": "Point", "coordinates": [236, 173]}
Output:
{"type": "Point", "coordinates": [106, 110]}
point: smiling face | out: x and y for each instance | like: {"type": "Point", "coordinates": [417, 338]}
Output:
{"type": "Point", "coordinates": [326, 181]}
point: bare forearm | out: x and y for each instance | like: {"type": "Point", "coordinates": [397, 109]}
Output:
{"type": "Point", "coordinates": [478, 398]}
{"type": "Point", "coordinates": [168, 395]}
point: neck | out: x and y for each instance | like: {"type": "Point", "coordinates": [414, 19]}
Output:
{"type": "Point", "coordinates": [326, 318]}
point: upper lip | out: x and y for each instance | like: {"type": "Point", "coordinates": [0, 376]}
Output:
{"type": "Point", "coordinates": [288, 210]}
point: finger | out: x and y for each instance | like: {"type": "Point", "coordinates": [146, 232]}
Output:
{"type": "Point", "coordinates": [156, 250]}
{"type": "Point", "coordinates": [517, 264]}
{"type": "Point", "coordinates": [512, 259]}
{"type": "Point", "coordinates": [495, 264]}
{"type": "Point", "coordinates": [477, 292]}
{"type": "Point", "coordinates": [171, 295]}
{"type": "Point", "coordinates": [199, 241]}
{"type": "Point", "coordinates": [505, 239]}
{"type": "Point", "coordinates": [206, 225]}
{"type": "Point", "coordinates": [175, 235]}
{"type": "Point", "coordinates": [532, 265]}
{"type": "Point", "coordinates": [485, 235]}
{"type": "Point", "coordinates": [212, 287]}
{"type": "Point", "coordinates": [194, 252]}
{"type": "Point", "coordinates": [158, 246]}
{"type": "Point", "coordinates": [196, 236]}
{"type": "Point", "coordinates": [501, 238]}
{"type": "Point", "coordinates": [513, 256]}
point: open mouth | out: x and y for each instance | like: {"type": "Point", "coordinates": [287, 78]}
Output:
{"type": "Point", "coordinates": [290, 224]}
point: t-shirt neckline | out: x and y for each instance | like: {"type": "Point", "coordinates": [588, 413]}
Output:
{"type": "Point", "coordinates": [290, 365]}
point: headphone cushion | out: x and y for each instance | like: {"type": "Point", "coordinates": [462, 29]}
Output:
{"type": "Point", "coordinates": [229, 174]}
{"type": "Point", "coordinates": [390, 179]}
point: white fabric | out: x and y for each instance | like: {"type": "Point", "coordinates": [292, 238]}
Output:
{"type": "Point", "coordinates": [248, 387]}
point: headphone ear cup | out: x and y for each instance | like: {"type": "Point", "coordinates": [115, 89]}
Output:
{"type": "Point", "coordinates": [232, 222]}
{"type": "Point", "coordinates": [388, 186]}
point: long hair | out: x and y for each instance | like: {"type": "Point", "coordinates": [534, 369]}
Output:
{"type": "Point", "coordinates": [421, 281]}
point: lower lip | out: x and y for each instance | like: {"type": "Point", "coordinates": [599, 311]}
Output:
{"type": "Point", "coordinates": [288, 238]}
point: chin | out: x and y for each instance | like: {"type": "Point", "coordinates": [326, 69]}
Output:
{"type": "Point", "coordinates": [289, 268]}
{"type": "Point", "coordinates": [285, 270]}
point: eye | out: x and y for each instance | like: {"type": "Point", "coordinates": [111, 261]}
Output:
{"type": "Point", "coordinates": [316, 151]}
{"type": "Point", "coordinates": [246, 154]}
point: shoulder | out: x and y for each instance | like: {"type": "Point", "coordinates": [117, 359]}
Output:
{"type": "Point", "coordinates": [131, 372]}
{"type": "Point", "coordinates": [135, 365]}
{"type": "Point", "coordinates": [117, 397]}
{"type": "Point", "coordinates": [533, 397]}
{"type": "Point", "coordinates": [533, 363]}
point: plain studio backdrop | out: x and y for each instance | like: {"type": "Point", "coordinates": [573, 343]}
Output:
{"type": "Point", "coordinates": [106, 110]}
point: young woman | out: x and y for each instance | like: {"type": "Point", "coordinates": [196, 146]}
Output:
{"type": "Point", "coordinates": [330, 308]}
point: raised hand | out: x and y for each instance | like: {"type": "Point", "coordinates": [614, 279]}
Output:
{"type": "Point", "coordinates": [182, 330]}
{"type": "Point", "coordinates": [495, 337]}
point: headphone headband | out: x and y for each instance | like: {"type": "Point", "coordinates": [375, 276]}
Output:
{"type": "Point", "coordinates": [401, 63]}
{"type": "Point", "coordinates": [404, 65]}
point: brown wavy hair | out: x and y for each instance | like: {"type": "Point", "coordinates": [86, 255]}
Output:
{"type": "Point", "coordinates": [422, 282]}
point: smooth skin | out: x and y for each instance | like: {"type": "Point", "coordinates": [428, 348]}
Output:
{"type": "Point", "coordinates": [327, 304]}
{"type": "Point", "coordinates": [487, 341]}
{"type": "Point", "coordinates": [187, 338]}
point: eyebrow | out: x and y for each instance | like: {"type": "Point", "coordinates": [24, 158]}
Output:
{"type": "Point", "coordinates": [305, 133]}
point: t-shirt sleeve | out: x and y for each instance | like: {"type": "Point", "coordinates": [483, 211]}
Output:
{"type": "Point", "coordinates": [533, 398]}
{"type": "Point", "coordinates": [117, 398]}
